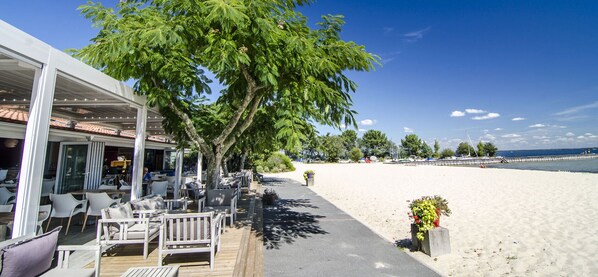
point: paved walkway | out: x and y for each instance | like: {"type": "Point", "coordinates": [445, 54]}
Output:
{"type": "Point", "coordinates": [305, 235]}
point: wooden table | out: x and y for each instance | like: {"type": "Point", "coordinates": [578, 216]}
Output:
{"type": "Point", "coordinates": [107, 191]}
{"type": "Point", "coordinates": [165, 271]}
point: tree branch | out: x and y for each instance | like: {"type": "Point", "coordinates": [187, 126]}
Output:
{"type": "Point", "coordinates": [249, 96]}
{"type": "Point", "coordinates": [190, 130]}
{"type": "Point", "coordinates": [246, 123]}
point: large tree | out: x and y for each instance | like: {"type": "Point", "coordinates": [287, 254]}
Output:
{"type": "Point", "coordinates": [263, 52]}
{"type": "Point", "coordinates": [412, 144]}
{"type": "Point", "coordinates": [331, 147]}
{"type": "Point", "coordinates": [465, 149]}
{"type": "Point", "coordinates": [374, 142]}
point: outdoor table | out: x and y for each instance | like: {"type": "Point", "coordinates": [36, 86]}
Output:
{"type": "Point", "coordinates": [160, 271]}
{"type": "Point", "coordinates": [107, 191]}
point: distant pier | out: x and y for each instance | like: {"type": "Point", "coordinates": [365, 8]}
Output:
{"type": "Point", "coordinates": [484, 161]}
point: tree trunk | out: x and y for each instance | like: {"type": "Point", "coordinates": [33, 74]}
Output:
{"type": "Point", "coordinates": [242, 163]}
{"type": "Point", "coordinates": [225, 167]}
{"type": "Point", "coordinates": [213, 170]}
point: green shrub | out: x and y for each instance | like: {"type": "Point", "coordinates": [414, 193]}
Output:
{"type": "Point", "coordinates": [276, 163]}
{"type": "Point", "coordinates": [355, 154]}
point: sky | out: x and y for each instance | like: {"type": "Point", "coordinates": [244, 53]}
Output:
{"type": "Point", "coordinates": [520, 74]}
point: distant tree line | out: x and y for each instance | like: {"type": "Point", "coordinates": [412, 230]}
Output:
{"type": "Point", "coordinates": [332, 148]}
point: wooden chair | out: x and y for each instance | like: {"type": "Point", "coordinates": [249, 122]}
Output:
{"type": "Point", "coordinates": [190, 233]}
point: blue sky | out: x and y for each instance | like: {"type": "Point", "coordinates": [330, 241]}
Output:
{"type": "Point", "coordinates": [449, 68]}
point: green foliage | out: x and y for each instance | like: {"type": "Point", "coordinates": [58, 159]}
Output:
{"type": "Point", "coordinates": [349, 138]}
{"type": "Point", "coordinates": [375, 143]}
{"type": "Point", "coordinates": [481, 149]}
{"type": "Point", "coordinates": [423, 213]}
{"type": "Point", "coordinates": [275, 163]}
{"type": "Point", "coordinates": [263, 52]}
{"type": "Point", "coordinates": [355, 154]}
{"type": "Point", "coordinates": [331, 147]}
{"type": "Point", "coordinates": [412, 144]}
{"type": "Point", "coordinates": [447, 153]}
{"type": "Point", "coordinates": [490, 149]}
{"type": "Point", "coordinates": [426, 151]}
{"type": "Point", "coordinates": [465, 149]}
{"type": "Point", "coordinates": [436, 149]}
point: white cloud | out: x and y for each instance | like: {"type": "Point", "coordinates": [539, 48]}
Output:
{"type": "Point", "coordinates": [559, 126]}
{"type": "Point", "coordinates": [581, 137]}
{"type": "Point", "coordinates": [541, 137]}
{"type": "Point", "coordinates": [511, 136]}
{"type": "Point", "coordinates": [407, 130]}
{"type": "Point", "coordinates": [457, 114]}
{"type": "Point", "coordinates": [498, 129]}
{"type": "Point", "coordinates": [474, 111]}
{"type": "Point", "coordinates": [588, 134]}
{"type": "Point", "coordinates": [485, 131]}
{"type": "Point", "coordinates": [518, 118]}
{"type": "Point", "coordinates": [388, 30]}
{"type": "Point", "coordinates": [570, 134]}
{"type": "Point", "coordinates": [489, 136]}
{"type": "Point", "coordinates": [416, 35]}
{"type": "Point", "coordinates": [362, 130]}
{"type": "Point", "coordinates": [488, 116]}
{"type": "Point", "coordinates": [537, 125]}
{"type": "Point", "coordinates": [368, 122]}
{"type": "Point", "coordinates": [578, 109]}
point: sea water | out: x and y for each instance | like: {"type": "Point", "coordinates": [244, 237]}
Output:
{"type": "Point", "coordinates": [585, 165]}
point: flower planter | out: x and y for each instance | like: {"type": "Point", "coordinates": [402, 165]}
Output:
{"type": "Point", "coordinates": [310, 180]}
{"type": "Point", "coordinates": [436, 241]}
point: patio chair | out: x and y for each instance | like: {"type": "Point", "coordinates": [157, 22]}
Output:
{"type": "Point", "coordinates": [6, 208]}
{"type": "Point", "coordinates": [47, 209]}
{"type": "Point", "coordinates": [65, 205]}
{"type": "Point", "coordinates": [222, 200]}
{"type": "Point", "coordinates": [97, 202]}
{"type": "Point", "coordinates": [190, 233]}
{"type": "Point", "coordinates": [48, 187]}
{"type": "Point", "coordinates": [3, 173]}
{"type": "Point", "coordinates": [124, 185]}
{"type": "Point", "coordinates": [31, 255]}
{"type": "Point", "coordinates": [159, 188]}
{"type": "Point", "coordinates": [118, 226]}
{"type": "Point", "coordinates": [6, 197]}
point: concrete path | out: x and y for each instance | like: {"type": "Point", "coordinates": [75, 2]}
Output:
{"type": "Point", "coordinates": [305, 235]}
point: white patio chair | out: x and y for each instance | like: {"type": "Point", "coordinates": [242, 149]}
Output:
{"type": "Point", "coordinates": [159, 188]}
{"type": "Point", "coordinates": [97, 202]}
{"type": "Point", "coordinates": [65, 205]}
{"type": "Point", "coordinates": [119, 226]}
{"type": "Point", "coordinates": [3, 173]}
{"type": "Point", "coordinates": [6, 197]}
{"type": "Point", "coordinates": [124, 185]}
{"type": "Point", "coordinates": [48, 187]}
{"type": "Point", "coordinates": [47, 209]}
{"type": "Point", "coordinates": [222, 200]}
{"type": "Point", "coordinates": [190, 233]}
{"type": "Point", "coordinates": [6, 208]}
{"type": "Point", "coordinates": [170, 180]}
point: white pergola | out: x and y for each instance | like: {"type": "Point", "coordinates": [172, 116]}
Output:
{"type": "Point", "coordinates": [61, 97]}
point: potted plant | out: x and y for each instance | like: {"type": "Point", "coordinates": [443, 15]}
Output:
{"type": "Point", "coordinates": [308, 175]}
{"type": "Point", "coordinates": [426, 212]}
{"type": "Point", "coordinates": [270, 196]}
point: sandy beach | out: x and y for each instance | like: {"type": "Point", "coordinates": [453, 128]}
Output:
{"type": "Point", "coordinates": [504, 222]}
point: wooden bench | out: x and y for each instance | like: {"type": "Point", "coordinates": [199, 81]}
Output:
{"type": "Point", "coordinates": [152, 271]}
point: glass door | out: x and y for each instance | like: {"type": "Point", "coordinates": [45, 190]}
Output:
{"type": "Point", "coordinates": [73, 167]}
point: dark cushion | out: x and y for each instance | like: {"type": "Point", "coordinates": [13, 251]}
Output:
{"type": "Point", "coordinates": [30, 257]}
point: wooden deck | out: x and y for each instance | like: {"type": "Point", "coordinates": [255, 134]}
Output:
{"type": "Point", "coordinates": [240, 253]}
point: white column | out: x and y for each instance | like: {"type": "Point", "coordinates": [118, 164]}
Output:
{"type": "Point", "coordinates": [178, 172]}
{"type": "Point", "coordinates": [34, 150]}
{"type": "Point", "coordinates": [139, 154]}
{"type": "Point", "coordinates": [199, 169]}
